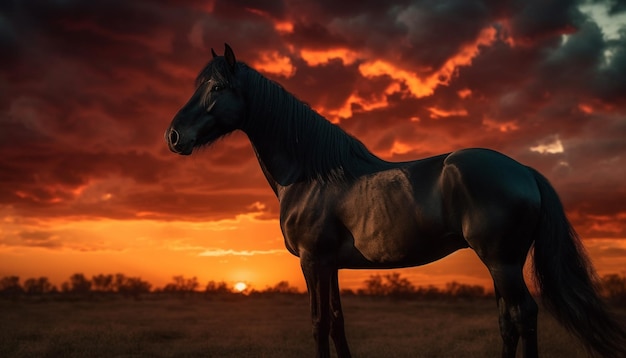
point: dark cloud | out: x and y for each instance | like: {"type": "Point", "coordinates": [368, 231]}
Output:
{"type": "Point", "coordinates": [615, 6]}
{"type": "Point", "coordinates": [349, 8]}
{"type": "Point", "coordinates": [312, 84]}
{"type": "Point", "coordinates": [613, 252]}
{"type": "Point", "coordinates": [536, 19]}
{"type": "Point", "coordinates": [449, 24]}
{"type": "Point", "coordinates": [610, 83]}
{"type": "Point", "coordinates": [235, 8]}
{"type": "Point", "coordinates": [33, 238]}
{"type": "Point", "coordinates": [315, 36]}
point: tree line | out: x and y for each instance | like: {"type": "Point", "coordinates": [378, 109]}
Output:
{"type": "Point", "coordinates": [79, 285]}
{"type": "Point", "coordinates": [611, 286]}
{"type": "Point", "coordinates": [393, 285]}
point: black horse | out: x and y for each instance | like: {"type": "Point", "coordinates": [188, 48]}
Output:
{"type": "Point", "coordinates": [342, 207]}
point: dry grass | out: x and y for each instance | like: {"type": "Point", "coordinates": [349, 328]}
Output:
{"type": "Point", "coordinates": [256, 327]}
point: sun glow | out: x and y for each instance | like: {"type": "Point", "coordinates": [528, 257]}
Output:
{"type": "Point", "coordinates": [240, 286]}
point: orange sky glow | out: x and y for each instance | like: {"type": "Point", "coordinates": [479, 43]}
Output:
{"type": "Point", "coordinates": [87, 184]}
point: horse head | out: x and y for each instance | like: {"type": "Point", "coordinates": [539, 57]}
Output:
{"type": "Point", "coordinates": [215, 109]}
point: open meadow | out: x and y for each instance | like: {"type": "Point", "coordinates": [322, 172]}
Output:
{"type": "Point", "coordinates": [257, 326]}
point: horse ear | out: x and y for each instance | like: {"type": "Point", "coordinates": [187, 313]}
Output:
{"type": "Point", "coordinates": [230, 57]}
{"type": "Point", "coordinates": [213, 52]}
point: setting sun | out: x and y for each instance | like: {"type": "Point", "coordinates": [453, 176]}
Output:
{"type": "Point", "coordinates": [240, 286]}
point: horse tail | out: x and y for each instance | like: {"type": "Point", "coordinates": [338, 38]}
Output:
{"type": "Point", "coordinates": [568, 282]}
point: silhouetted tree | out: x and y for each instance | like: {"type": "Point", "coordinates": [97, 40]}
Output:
{"type": "Point", "coordinates": [10, 287]}
{"type": "Point", "coordinates": [388, 285]}
{"type": "Point", "coordinates": [374, 286]}
{"type": "Point", "coordinates": [38, 286]}
{"type": "Point", "coordinates": [394, 285]}
{"type": "Point", "coordinates": [459, 290]}
{"type": "Point", "coordinates": [282, 287]}
{"type": "Point", "coordinates": [182, 286]}
{"type": "Point", "coordinates": [134, 287]}
{"type": "Point", "coordinates": [614, 288]}
{"type": "Point", "coordinates": [78, 284]}
{"type": "Point", "coordinates": [348, 292]}
{"type": "Point", "coordinates": [66, 287]}
{"type": "Point", "coordinates": [399, 286]}
{"type": "Point", "coordinates": [429, 292]}
{"type": "Point", "coordinates": [118, 281]}
{"type": "Point", "coordinates": [217, 288]}
{"type": "Point", "coordinates": [102, 283]}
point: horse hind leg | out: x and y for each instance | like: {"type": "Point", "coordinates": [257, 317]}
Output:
{"type": "Point", "coordinates": [518, 310]}
{"type": "Point", "coordinates": [510, 336]}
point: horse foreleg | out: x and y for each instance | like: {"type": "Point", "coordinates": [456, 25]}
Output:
{"type": "Point", "coordinates": [318, 280]}
{"type": "Point", "coordinates": [337, 330]}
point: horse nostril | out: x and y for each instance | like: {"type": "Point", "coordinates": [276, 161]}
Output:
{"type": "Point", "coordinates": [174, 137]}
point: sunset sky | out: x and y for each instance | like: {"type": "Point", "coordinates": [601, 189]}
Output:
{"type": "Point", "coordinates": [87, 89]}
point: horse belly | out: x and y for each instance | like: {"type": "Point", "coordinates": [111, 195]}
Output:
{"type": "Point", "coordinates": [389, 225]}
{"type": "Point", "coordinates": [381, 245]}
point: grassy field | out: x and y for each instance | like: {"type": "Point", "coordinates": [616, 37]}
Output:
{"type": "Point", "coordinates": [257, 327]}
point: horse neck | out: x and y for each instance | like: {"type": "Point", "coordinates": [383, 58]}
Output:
{"type": "Point", "coordinates": [294, 143]}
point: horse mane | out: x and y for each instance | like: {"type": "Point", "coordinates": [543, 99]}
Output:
{"type": "Point", "coordinates": [322, 150]}
{"type": "Point", "coordinates": [216, 69]}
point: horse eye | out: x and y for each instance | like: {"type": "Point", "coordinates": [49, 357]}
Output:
{"type": "Point", "coordinates": [217, 88]}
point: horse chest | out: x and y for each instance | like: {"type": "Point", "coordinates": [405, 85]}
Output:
{"type": "Point", "coordinates": [306, 218]}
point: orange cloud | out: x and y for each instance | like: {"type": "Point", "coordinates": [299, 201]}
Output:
{"type": "Point", "coordinates": [552, 146]}
{"type": "Point", "coordinates": [464, 93]}
{"type": "Point", "coordinates": [320, 57]}
{"type": "Point", "coordinates": [217, 252]}
{"type": "Point", "coordinates": [502, 126]}
{"type": "Point", "coordinates": [367, 104]}
{"type": "Point", "coordinates": [612, 224]}
{"type": "Point", "coordinates": [283, 27]}
{"type": "Point", "coordinates": [423, 86]}
{"type": "Point", "coordinates": [275, 63]}
{"type": "Point", "coordinates": [399, 147]}
{"type": "Point", "coordinates": [417, 86]}
{"type": "Point", "coordinates": [442, 113]}
{"type": "Point", "coordinates": [585, 108]}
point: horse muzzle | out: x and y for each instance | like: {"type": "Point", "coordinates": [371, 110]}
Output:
{"type": "Point", "coordinates": [175, 142]}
